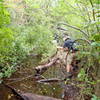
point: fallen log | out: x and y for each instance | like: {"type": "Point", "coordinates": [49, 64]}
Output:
{"type": "Point", "coordinates": [28, 96]}
{"type": "Point", "coordinates": [51, 80]}
{"type": "Point", "coordinates": [42, 68]}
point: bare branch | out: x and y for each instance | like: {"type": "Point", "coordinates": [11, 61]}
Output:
{"type": "Point", "coordinates": [74, 27]}
{"type": "Point", "coordinates": [60, 28]}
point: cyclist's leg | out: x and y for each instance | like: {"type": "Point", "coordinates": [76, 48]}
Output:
{"type": "Point", "coordinates": [69, 67]}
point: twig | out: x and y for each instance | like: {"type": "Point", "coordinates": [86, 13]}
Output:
{"type": "Point", "coordinates": [20, 79]}
{"type": "Point", "coordinates": [14, 79]}
{"type": "Point", "coordinates": [59, 28]}
{"type": "Point", "coordinates": [88, 41]}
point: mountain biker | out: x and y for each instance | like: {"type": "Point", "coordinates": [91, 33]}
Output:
{"type": "Point", "coordinates": [70, 54]}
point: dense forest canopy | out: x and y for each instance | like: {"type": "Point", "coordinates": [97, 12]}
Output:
{"type": "Point", "coordinates": [30, 26]}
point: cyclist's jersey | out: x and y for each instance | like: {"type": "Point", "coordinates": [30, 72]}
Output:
{"type": "Point", "coordinates": [69, 44]}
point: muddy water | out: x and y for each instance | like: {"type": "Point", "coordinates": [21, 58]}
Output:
{"type": "Point", "coordinates": [23, 81]}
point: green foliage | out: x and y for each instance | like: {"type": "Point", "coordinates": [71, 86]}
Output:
{"type": "Point", "coordinates": [96, 37]}
{"type": "Point", "coordinates": [37, 32]}
{"type": "Point", "coordinates": [16, 41]}
{"type": "Point", "coordinates": [82, 75]}
{"type": "Point", "coordinates": [11, 51]}
{"type": "Point", "coordinates": [4, 16]}
{"type": "Point", "coordinates": [6, 38]}
{"type": "Point", "coordinates": [95, 98]}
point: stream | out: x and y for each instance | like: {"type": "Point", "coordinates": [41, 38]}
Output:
{"type": "Point", "coordinates": [23, 81]}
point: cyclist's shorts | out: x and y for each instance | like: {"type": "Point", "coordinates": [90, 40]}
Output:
{"type": "Point", "coordinates": [64, 57]}
{"type": "Point", "coordinates": [69, 58]}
